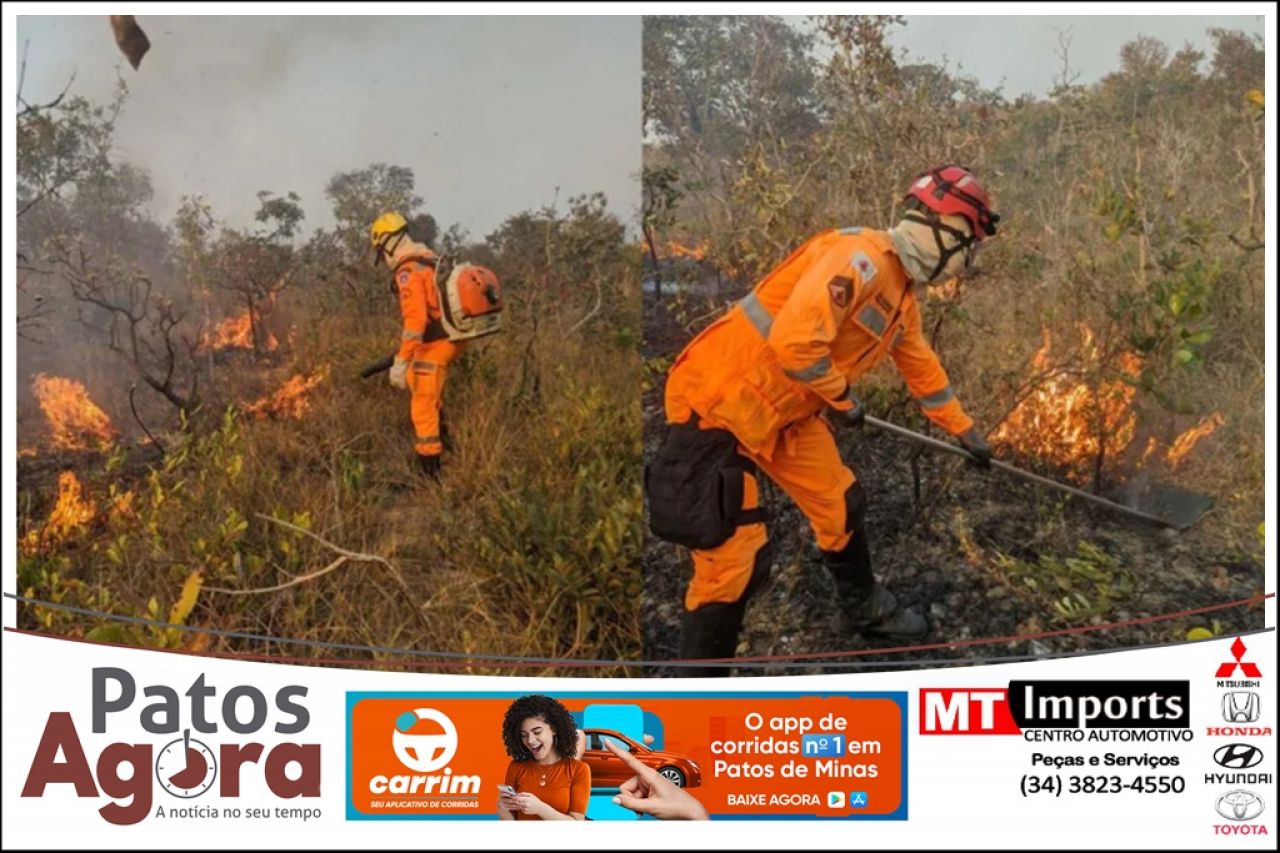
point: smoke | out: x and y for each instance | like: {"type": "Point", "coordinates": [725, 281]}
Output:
{"type": "Point", "coordinates": [494, 115]}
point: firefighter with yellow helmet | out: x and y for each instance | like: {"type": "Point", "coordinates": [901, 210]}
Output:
{"type": "Point", "coordinates": [442, 305]}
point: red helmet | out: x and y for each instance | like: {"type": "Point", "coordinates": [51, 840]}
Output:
{"type": "Point", "coordinates": [948, 190]}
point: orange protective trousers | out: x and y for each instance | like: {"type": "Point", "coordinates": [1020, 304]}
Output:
{"type": "Point", "coordinates": [428, 360]}
{"type": "Point", "coordinates": [428, 366]}
{"type": "Point", "coordinates": [806, 465]}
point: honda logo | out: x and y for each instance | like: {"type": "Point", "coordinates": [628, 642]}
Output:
{"type": "Point", "coordinates": [1238, 756]}
{"type": "Point", "coordinates": [1241, 706]}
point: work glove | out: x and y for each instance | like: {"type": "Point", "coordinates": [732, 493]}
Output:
{"type": "Point", "coordinates": [978, 448]}
{"type": "Point", "coordinates": [852, 416]}
{"type": "Point", "coordinates": [396, 376]}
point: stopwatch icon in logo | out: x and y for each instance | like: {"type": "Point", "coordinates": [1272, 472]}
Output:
{"type": "Point", "coordinates": [422, 751]}
{"type": "Point", "coordinates": [186, 768]}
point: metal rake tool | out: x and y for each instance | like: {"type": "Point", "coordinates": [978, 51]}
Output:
{"type": "Point", "coordinates": [1167, 506]}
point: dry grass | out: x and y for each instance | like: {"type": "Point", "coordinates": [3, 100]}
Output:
{"type": "Point", "coordinates": [530, 546]}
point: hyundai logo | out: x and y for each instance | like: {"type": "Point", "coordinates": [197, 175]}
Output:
{"type": "Point", "coordinates": [1239, 805]}
{"type": "Point", "coordinates": [1238, 756]}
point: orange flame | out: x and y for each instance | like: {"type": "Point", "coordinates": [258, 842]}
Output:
{"type": "Point", "coordinates": [677, 249]}
{"type": "Point", "coordinates": [945, 290]}
{"type": "Point", "coordinates": [290, 400]}
{"type": "Point", "coordinates": [76, 422]}
{"type": "Point", "coordinates": [237, 333]}
{"type": "Point", "coordinates": [1184, 443]}
{"type": "Point", "coordinates": [122, 506]}
{"type": "Point", "coordinates": [1152, 444]}
{"type": "Point", "coordinates": [1066, 421]}
{"type": "Point", "coordinates": [71, 512]}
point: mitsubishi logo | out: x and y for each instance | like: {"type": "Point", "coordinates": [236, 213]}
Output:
{"type": "Point", "coordinates": [1227, 669]}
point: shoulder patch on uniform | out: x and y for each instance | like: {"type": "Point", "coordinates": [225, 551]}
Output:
{"type": "Point", "coordinates": [841, 290]}
{"type": "Point", "coordinates": [862, 263]}
{"type": "Point", "coordinates": [402, 277]}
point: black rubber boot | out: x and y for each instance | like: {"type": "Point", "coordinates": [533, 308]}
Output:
{"type": "Point", "coordinates": [445, 440]}
{"type": "Point", "coordinates": [867, 607]}
{"type": "Point", "coordinates": [874, 612]}
{"type": "Point", "coordinates": [711, 631]}
{"type": "Point", "coordinates": [429, 466]}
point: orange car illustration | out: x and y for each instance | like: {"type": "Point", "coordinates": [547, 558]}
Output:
{"type": "Point", "coordinates": [608, 771]}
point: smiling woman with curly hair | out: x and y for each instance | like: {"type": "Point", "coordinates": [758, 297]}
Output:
{"type": "Point", "coordinates": [545, 779]}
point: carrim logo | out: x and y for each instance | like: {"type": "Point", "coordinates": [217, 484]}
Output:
{"type": "Point", "coordinates": [425, 753]}
{"type": "Point", "coordinates": [1238, 756]}
{"type": "Point", "coordinates": [1239, 805]}
{"type": "Point", "coordinates": [1241, 706]}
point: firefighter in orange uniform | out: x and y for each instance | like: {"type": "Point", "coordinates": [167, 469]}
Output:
{"type": "Point", "coordinates": [425, 350]}
{"type": "Point", "coordinates": [748, 395]}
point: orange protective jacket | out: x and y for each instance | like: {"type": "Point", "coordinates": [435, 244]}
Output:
{"type": "Point", "coordinates": [415, 278]}
{"type": "Point", "coordinates": [821, 319]}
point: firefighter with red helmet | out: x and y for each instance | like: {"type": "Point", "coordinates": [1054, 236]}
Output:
{"type": "Point", "coordinates": [748, 396]}
{"type": "Point", "coordinates": [442, 304]}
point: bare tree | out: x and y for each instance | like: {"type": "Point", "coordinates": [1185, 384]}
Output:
{"type": "Point", "coordinates": [142, 326]}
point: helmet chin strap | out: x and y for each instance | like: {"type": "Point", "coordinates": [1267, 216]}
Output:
{"type": "Point", "coordinates": [945, 254]}
{"type": "Point", "coordinates": [387, 249]}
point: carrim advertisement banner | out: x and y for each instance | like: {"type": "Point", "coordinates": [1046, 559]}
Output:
{"type": "Point", "coordinates": [1170, 747]}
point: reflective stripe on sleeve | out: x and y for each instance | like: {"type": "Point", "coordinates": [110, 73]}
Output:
{"type": "Point", "coordinates": [812, 372]}
{"type": "Point", "coordinates": [937, 399]}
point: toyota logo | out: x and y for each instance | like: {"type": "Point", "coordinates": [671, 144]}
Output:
{"type": "Point", "coordinates": [1239, 805]}
{"type": "Point", "coordinates": [1238, 756]}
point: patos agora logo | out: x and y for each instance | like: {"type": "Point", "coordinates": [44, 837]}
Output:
{"type": "Point", "coordinates": [228, 754]}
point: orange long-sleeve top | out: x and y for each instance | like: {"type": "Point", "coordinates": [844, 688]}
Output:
{"type": "Point", "coordinates": [815, 324]}
{"type": "Point", "coordinates": [564, 786]}
{"type": "Point", "coordinates": [415, 278]}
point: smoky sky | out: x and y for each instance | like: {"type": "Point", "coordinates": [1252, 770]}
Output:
{"type": "Point", "coordinates": [494, 114]}
{"type": "Point", "coordinates": [1017, 54]}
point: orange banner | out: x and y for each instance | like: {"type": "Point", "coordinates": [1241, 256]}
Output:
{"type": "Point", "coordinates": [751, 755]}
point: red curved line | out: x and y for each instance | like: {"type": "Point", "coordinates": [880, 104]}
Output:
{"type": "Point", "coordinates": [571, 664]}
{"type": "Point", "coordinates": [982, 641]}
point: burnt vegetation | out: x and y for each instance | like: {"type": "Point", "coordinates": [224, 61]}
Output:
{"type": "Point", "coordinates": [1111, 338]}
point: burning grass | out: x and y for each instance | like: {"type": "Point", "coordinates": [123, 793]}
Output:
{"type": "Point", "coordinates": [290, 400]}
{"type": "Point", "coordinates": [1187, 442]}
{"type": "Point", "coordinates": [237, 333]}
{"type": "Point", "coordinates": [75, 422]}
{"type": "Point", "coordinates": [71, 512]}
{"type": "Point", "coordinates": [1078, 416]}
{"type": "Point", "coordinates": [531, 547]}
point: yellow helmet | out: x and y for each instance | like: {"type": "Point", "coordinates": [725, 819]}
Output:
{"type": "Point", "coordinates": [385, 226]}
